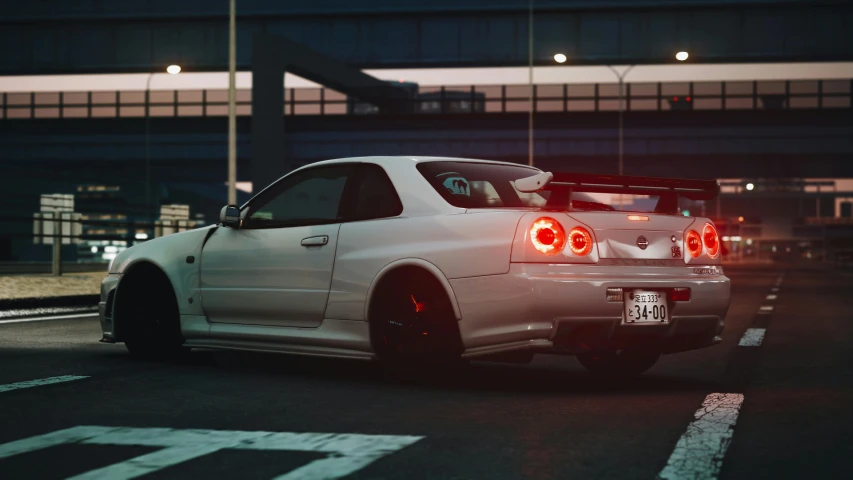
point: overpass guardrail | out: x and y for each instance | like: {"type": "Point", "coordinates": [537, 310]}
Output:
{"type": "Point", "coordinates": [598, 97]}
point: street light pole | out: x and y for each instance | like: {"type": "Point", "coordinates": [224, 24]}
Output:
{"type": "Point", "coordinates": [148, 215]}
{"type": "Point", "coordinates": [232, 105]}
{"type": "Point", "coordinates": [530, 81]}
{"type": "Point", "coordinates": [621, 78]}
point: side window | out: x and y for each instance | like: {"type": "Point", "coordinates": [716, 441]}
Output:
{"type": "Point", "coordinates": [374, 195]}
{"type": "Point", "coordinates": [309, 197]}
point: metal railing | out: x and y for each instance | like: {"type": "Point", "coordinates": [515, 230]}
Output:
{"type": "Point", "coordinates": [677, 96]}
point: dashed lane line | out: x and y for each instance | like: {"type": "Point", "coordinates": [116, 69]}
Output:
{"type": "Point", "coordinates": [699, 452]}
{"type": "Point", "coordinates": [43, 319]}
{"type": "Point", "coordinates": [39, 382]}
{"type": "Point", "coordinates": [752, 337]}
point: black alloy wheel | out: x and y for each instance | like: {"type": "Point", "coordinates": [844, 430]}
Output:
{"type": "Point", "coordinates": [413, 320]}
{"type": "Point", "coordinates": [151, 320]}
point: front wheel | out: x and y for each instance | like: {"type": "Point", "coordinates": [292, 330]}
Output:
{"type": "Point", "coordinates": [620, 363]}
{"type": "Point", "coordinates": [148, 315]}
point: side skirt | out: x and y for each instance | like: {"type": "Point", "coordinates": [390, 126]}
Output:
{"type": "Point", "coordinates": [268, 347]}
{"type": "Point", "coordinates": [333, 338]}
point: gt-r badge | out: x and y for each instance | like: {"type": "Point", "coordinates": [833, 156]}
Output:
{"type": "Point", "coordinates": [676, 252]}
{"type": "Point", "coordinates": [642, 242]}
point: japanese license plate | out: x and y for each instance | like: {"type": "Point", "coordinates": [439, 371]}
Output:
{"type": "Point", "coordinates": [645, 306]}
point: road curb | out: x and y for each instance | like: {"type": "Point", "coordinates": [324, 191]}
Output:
{"type": "Point", "coordinates": [47, 302]}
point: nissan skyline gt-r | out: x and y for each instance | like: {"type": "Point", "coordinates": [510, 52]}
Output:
{"type": "Point", "coordinates": [420, 259]}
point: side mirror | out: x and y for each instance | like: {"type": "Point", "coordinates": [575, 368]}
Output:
{"type": "Point", "coordinates": [230, 216]}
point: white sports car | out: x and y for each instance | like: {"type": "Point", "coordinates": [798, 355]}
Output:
{"type": "Point", "coordinates": [413, 258]}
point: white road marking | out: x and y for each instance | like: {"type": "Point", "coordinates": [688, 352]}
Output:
{"type": "Point", "coordinates": [148, 463]}
{"type": "Point", "coordinates": [765, 309]}
{"type": "Point", "coordinates": [699, 452]}
{"type": "Point", "coordinates": [39, 382]}
{"type": "Point", "coordinates": [346, 453]}
{"type": "Point", "coordinates": [775, 289]}
{"type": "Point", "coordinates": [771, 297]}
{"type": "Point", "coordinates": [42, 319]}
{"type": "Point", "coordinates": [752, 337]}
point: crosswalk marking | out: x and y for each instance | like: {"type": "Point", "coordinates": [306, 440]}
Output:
{"type": "Point", "coordinates": [347, 452]}
{"type": "Point", "coordinates": [39, 382]}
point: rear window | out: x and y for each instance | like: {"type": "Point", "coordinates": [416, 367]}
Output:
{"type": "Point", "coordinates": [491, 185]}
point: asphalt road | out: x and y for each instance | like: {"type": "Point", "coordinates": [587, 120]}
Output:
{"type": "Point", "coordinates": [546, 420]}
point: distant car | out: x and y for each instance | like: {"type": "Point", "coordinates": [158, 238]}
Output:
{"type": "Point", "coordinates": [414, 258]}
{"type": "Point", "coordinates": [451, 101]}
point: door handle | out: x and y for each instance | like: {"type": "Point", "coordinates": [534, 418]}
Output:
{"type": "Point", "coordinates": [317, 241]}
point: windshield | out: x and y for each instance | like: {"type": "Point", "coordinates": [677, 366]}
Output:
{"type": "Point", "coordinates": [491, 185]}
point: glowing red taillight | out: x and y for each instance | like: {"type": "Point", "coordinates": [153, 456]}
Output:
{"type": "Point", "coordinates": [711, 240]}
{"type": "Point", "coordinates": [547, 236]}
{"type": "Point", "coordinates": [580, 241]}
{"type": "Point", "coordinates": [694, 243]}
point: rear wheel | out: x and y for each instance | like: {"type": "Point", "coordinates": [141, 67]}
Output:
{"type": "Point", "coordinates": [627, 362]}
{"type": "Point", "coordinates": [412, 320]}
{"type": "Point", "coordinates": [147, 314]}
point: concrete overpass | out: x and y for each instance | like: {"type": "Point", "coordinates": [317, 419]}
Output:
{"type": "Point", "coordinates": [707, 144]}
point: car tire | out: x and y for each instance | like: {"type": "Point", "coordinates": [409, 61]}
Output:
{"type": "Point", "coordinates": [149, 316]}
{"type": "Point", "coordinates": [621, 363]}
{"type": "Point", "coordinates": [412, 321]}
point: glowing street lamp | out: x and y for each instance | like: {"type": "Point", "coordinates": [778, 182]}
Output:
{"type": "Point", "coordinates": [173, 69]}
{"type": "Point", "coordinates": [560, 58]}
{"type": "Point", "coordinates": [681, 56]}
{"type": "Point", "coordinates": [750, 186]}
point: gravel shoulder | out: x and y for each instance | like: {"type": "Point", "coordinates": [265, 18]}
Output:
{"type": "Point", "coordinates": [35, 286]}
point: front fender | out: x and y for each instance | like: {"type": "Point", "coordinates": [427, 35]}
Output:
{"type": "Point", "coordinates": [172, 255]}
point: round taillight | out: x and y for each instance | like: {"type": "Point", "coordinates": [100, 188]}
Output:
{"type": "Point", "coordinates": [548, 236]}
{"type": "Point", "coordinates": [694, 243]}
{"type": "Point", "coordinates": [580, 241]}
{"type": "Point", "coordinates": [712, 241]}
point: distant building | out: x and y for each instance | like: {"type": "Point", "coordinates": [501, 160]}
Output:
{"type": "Point", "coordinates": [104, 206]}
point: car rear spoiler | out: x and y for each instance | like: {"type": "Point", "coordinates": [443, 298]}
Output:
{"type": "Point", "coordinates": [583, 182]}
{"type": "Point", "coordinates": [669, 189]}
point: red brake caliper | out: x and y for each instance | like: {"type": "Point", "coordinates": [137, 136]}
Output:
{"type": "Point", "coordinates": [419, 306]}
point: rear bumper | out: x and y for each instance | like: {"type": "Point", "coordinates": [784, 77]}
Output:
{"type": "Point", "coordinates": [564, 309]}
